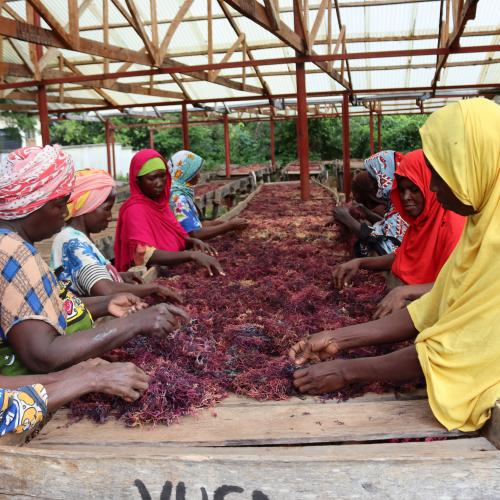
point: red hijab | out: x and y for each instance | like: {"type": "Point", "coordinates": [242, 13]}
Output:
{"type": "Point", "coordinates": [146, 221]}
{"type": "Point", "coordinates": [430, 237]}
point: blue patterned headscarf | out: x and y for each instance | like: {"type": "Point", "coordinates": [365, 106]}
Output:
{"type": "Point", "coordinates": [382, 167]}
{"type": "Point", "coordinates": [183, 166]}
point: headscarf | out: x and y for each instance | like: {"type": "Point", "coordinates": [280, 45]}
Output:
{"type": "Point", "coordinates": [382, 167]}
{"type": "Point", "coordinates": [32, 176]}
{"type": "Point", "coordinates": [92, 188]}
{"type": "Point", "coordinates": [459, 320]}
{"type": "Point", "coordinates": [147, 221]}
{"type": "Point", "coordinates": [183, 166]}
{"type": "Point", "coordinates": [430, 237]}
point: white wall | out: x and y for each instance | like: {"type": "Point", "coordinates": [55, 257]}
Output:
{"type": "Point", "coordinates": [94, 156]}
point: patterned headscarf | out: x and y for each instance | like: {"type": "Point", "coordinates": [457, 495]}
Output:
{"type": "Point", "coordinates": [32, 176]}
{"type": "Point", "coordinates": [92, 188]}
{"type": "Point", "coordinates": [381, 166]}
{"type": "Point", "coordinates": [183, 166]}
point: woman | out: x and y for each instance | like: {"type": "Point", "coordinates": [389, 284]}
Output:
{"type": "Point", "coordinates": [35, 185]}
{"type": "Point", "coordinates": [372, 190]}
{"type": "Point", "coordinates": [148, 233]}
{"type": "Point", "coordinates": [76, 259]}
{"type": "Point", "coordinates": [457, 348]}
{"type": "Point", "coordinates": [184, 168]}
{"type": "Point", "coordinates": [430, 238]}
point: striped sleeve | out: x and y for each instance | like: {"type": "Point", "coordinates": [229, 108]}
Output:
{"type": "Point", "coordinates": [90, 275]}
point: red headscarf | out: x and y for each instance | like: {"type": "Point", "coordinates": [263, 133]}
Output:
{"type": "Point", "coordinates": [430, 237]}
{"type": "Point", "coordinates": [147, 221]}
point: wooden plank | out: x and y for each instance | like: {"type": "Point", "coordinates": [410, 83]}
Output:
{"type": "Point", "coordinates": [234, 212]}
{"type": "Point", "coordinates": [492, 428]}
{"type": "Point", "coordinates": [467, 468]}
{"type": "Point", "coordinates": [287, 424]}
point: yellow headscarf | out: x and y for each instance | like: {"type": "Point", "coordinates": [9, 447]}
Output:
{"type": "Point", "coordinates": [459, 320]}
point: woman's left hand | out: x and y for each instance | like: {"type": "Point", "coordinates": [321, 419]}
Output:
{"type": "Point", "coordinates": [327, 376]}
{"type": "Point", "coordinates": [124, 304]}
{"type": "Point", "coordinates": [394, 300]}
{"type": "Point", "coordinates": [131, 278]}
{"type": "Point", "coordinates": [201, 246]}
{"type": "Point", "coordinates": [341, 214]}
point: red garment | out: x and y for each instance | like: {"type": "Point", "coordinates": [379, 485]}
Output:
{"type": "Point", "coordinates": [146, 221]}
{"type": "Point", "coordinates": [430, 237]}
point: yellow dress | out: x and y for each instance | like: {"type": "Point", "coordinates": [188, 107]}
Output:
{"type": "Point", "coordinates": [459, 320]}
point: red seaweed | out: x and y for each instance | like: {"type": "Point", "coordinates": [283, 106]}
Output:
{"type": "Point", "coordinates": [277, 289]}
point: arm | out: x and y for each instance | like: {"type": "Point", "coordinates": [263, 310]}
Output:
{"type": "Point", "coordinates": [342, 215]}
{"type": "Point", "coordinates": [110, 287]}
{"type": "Point", "coordinates": [398, 297]}
{"type": "Point", "coordinates": [221, 227]}
{"type": "Point", "coordinates": [162, 258]}
{"type": "Point", "coordinates": [324, 345]}
{"type": "Point", "coordinates": [98, 306]}
{"type": "Point", "coordinates": [42, 350]}
{"type": "Point", "coordinates": [371, 216]}
{"type": "Point", "coordinates": [343, 273]}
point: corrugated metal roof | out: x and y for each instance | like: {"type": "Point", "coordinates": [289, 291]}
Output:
{"type": "Point", "coordinates": [369, 28]}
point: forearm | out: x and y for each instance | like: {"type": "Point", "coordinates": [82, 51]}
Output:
{"type": "Point", "coordinates": [372, 217]}
{"type": "Point", "coordinates": [207, 232]}
{"type": "Point", "coordinates": [413, 292]}
{"type": "Point", "coordinates": [109, 287]}
{"type": "Point", "coordinates": [381, 263]}
{"type": "Point", "coordinates": [395, 327]}
{"type": "Point", "coordinates": [163, 258]}
{"type": "Point", "coordinates": [398, 366]}
{"type": "Point", "coordinates": [62, 390]}
{"type": "Point", "coordinates": [211, 223]}
{"type": "Point", "coordinates": [97, 304]}
{"type": "Point", "coordinates": [16, 381]}
{"type": "Point", "coordinates": [66, 350]}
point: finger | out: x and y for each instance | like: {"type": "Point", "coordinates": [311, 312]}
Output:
{"type": "Point", "coordinates": [294, 350]}
{"type": "Point", "coordinates": [349, 275]}
{"type": "Point", "coordinates": [216, 265]}
{"type": "Point", "coordinates": [130, 395]}
{"type": "Point", "coordinates": [298, 374]}
{"type": "Point", "coordinates": [178, 311]}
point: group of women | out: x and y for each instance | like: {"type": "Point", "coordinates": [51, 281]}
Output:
{"type": "Point", "coordinates": [429, 218]}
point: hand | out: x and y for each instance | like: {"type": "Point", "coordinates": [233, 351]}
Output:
{"type": "Point", "coordinates": [238, 224]}
{"type": "Point", "coordinates": [341, 214]}
{"type": "Point", "coordinates": [124, 304]}
{"type": "Point", "coordinates": [212, 264]}
{"type": "Point", "coordinates": [131, 277]}
{"type": "Point", "coordinates": [394, 300]}
{"type": "Point", "coordinates": [317, 347]}
{"type": "Point", "coordinates": [200, 246]}
{"type": "Point", "coordinates": [125, 380]}
{"type": "Point", "coordinates": [159, 320]}
{"type": "Point", "coordinates": [343, 273]}
{"type": "Point", "coordinates": [167, 293]}
{"type": "Point", "coordinates": [324, 377]}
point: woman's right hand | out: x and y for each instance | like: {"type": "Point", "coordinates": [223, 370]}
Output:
{"type": "Point", "coordinates": [159, 319]}
{"type": "Point", "coordinates": [125, 380]}
{"type": "Point", "coordinates": [318, 347]}
{"type": "Point", "coordinates": [211, 263]}
{"type": "Point", "coordinates": [343, 273]}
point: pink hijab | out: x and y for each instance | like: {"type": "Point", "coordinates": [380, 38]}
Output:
{"type": "Point", "coordinates": [146, 221]}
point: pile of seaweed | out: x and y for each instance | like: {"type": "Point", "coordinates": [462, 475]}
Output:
{"type": "Point", "coordinates": [277, 289]}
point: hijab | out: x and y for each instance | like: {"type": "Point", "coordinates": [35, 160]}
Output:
{"type": "Point", "coordinates": [183, 166]}
{"type": "Point", "coordinates": [146, 221]}
{"type": "Point", "coordinates": [432, 235]}
{"type": "Point", "coordinates": [459, 319]}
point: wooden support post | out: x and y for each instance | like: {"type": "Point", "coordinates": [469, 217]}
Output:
{"type": "Point", "coordinates": [346, 146]}
{"type": "Point", "coordinates": [43, 112]}
{"type": "Point", "coordinates": [108, 144]}
{"type": "Point", "coordinates": [151, 138]}
{"type": "Point", "coordinates": [271, 134]}
{"type": "Point", "coordinates": [113, 153]}
{"type": "Point", "coordinates": [372, 142]}
{"type": "Point", "coordinates": [379, 130]}
{"type": "Point", "coordinates": [185, 126]}
{"type": "Point", "coordinates": [227, 145]}
{"type": "Point", "coordinates": [301, 123]}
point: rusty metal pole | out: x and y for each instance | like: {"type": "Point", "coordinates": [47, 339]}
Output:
{"type": "Point", "coordinates": [151, 138]}
{"type": "Point", "coordinates": [379, 127]}
{"type": "Point", "coordinates": [108, 144]}
{"type": "Point", "coordinates": [271, 134]}
{"type": "Point", "coordinates": [227, 145]}
{"type": "Point", "coordinates": [113, 153]}
{"type": "Point", "coordinates": [301, 124]}
{"type": "Point", "coordinates": [43, 108]}
{"type": "Point", "coordinates": [185, 126]}
{"type": "Point", "coordinates": [346, 146]}
{"type": "Point", "coordinates": [372, 141]}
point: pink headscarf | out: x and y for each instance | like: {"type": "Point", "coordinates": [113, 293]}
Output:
{"type": "Point", "coordinates": [32, 176]}
{"type": "Point", "coordinates": [92, 188]}
{"type": "Point", "coordinates": [146, 221]}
